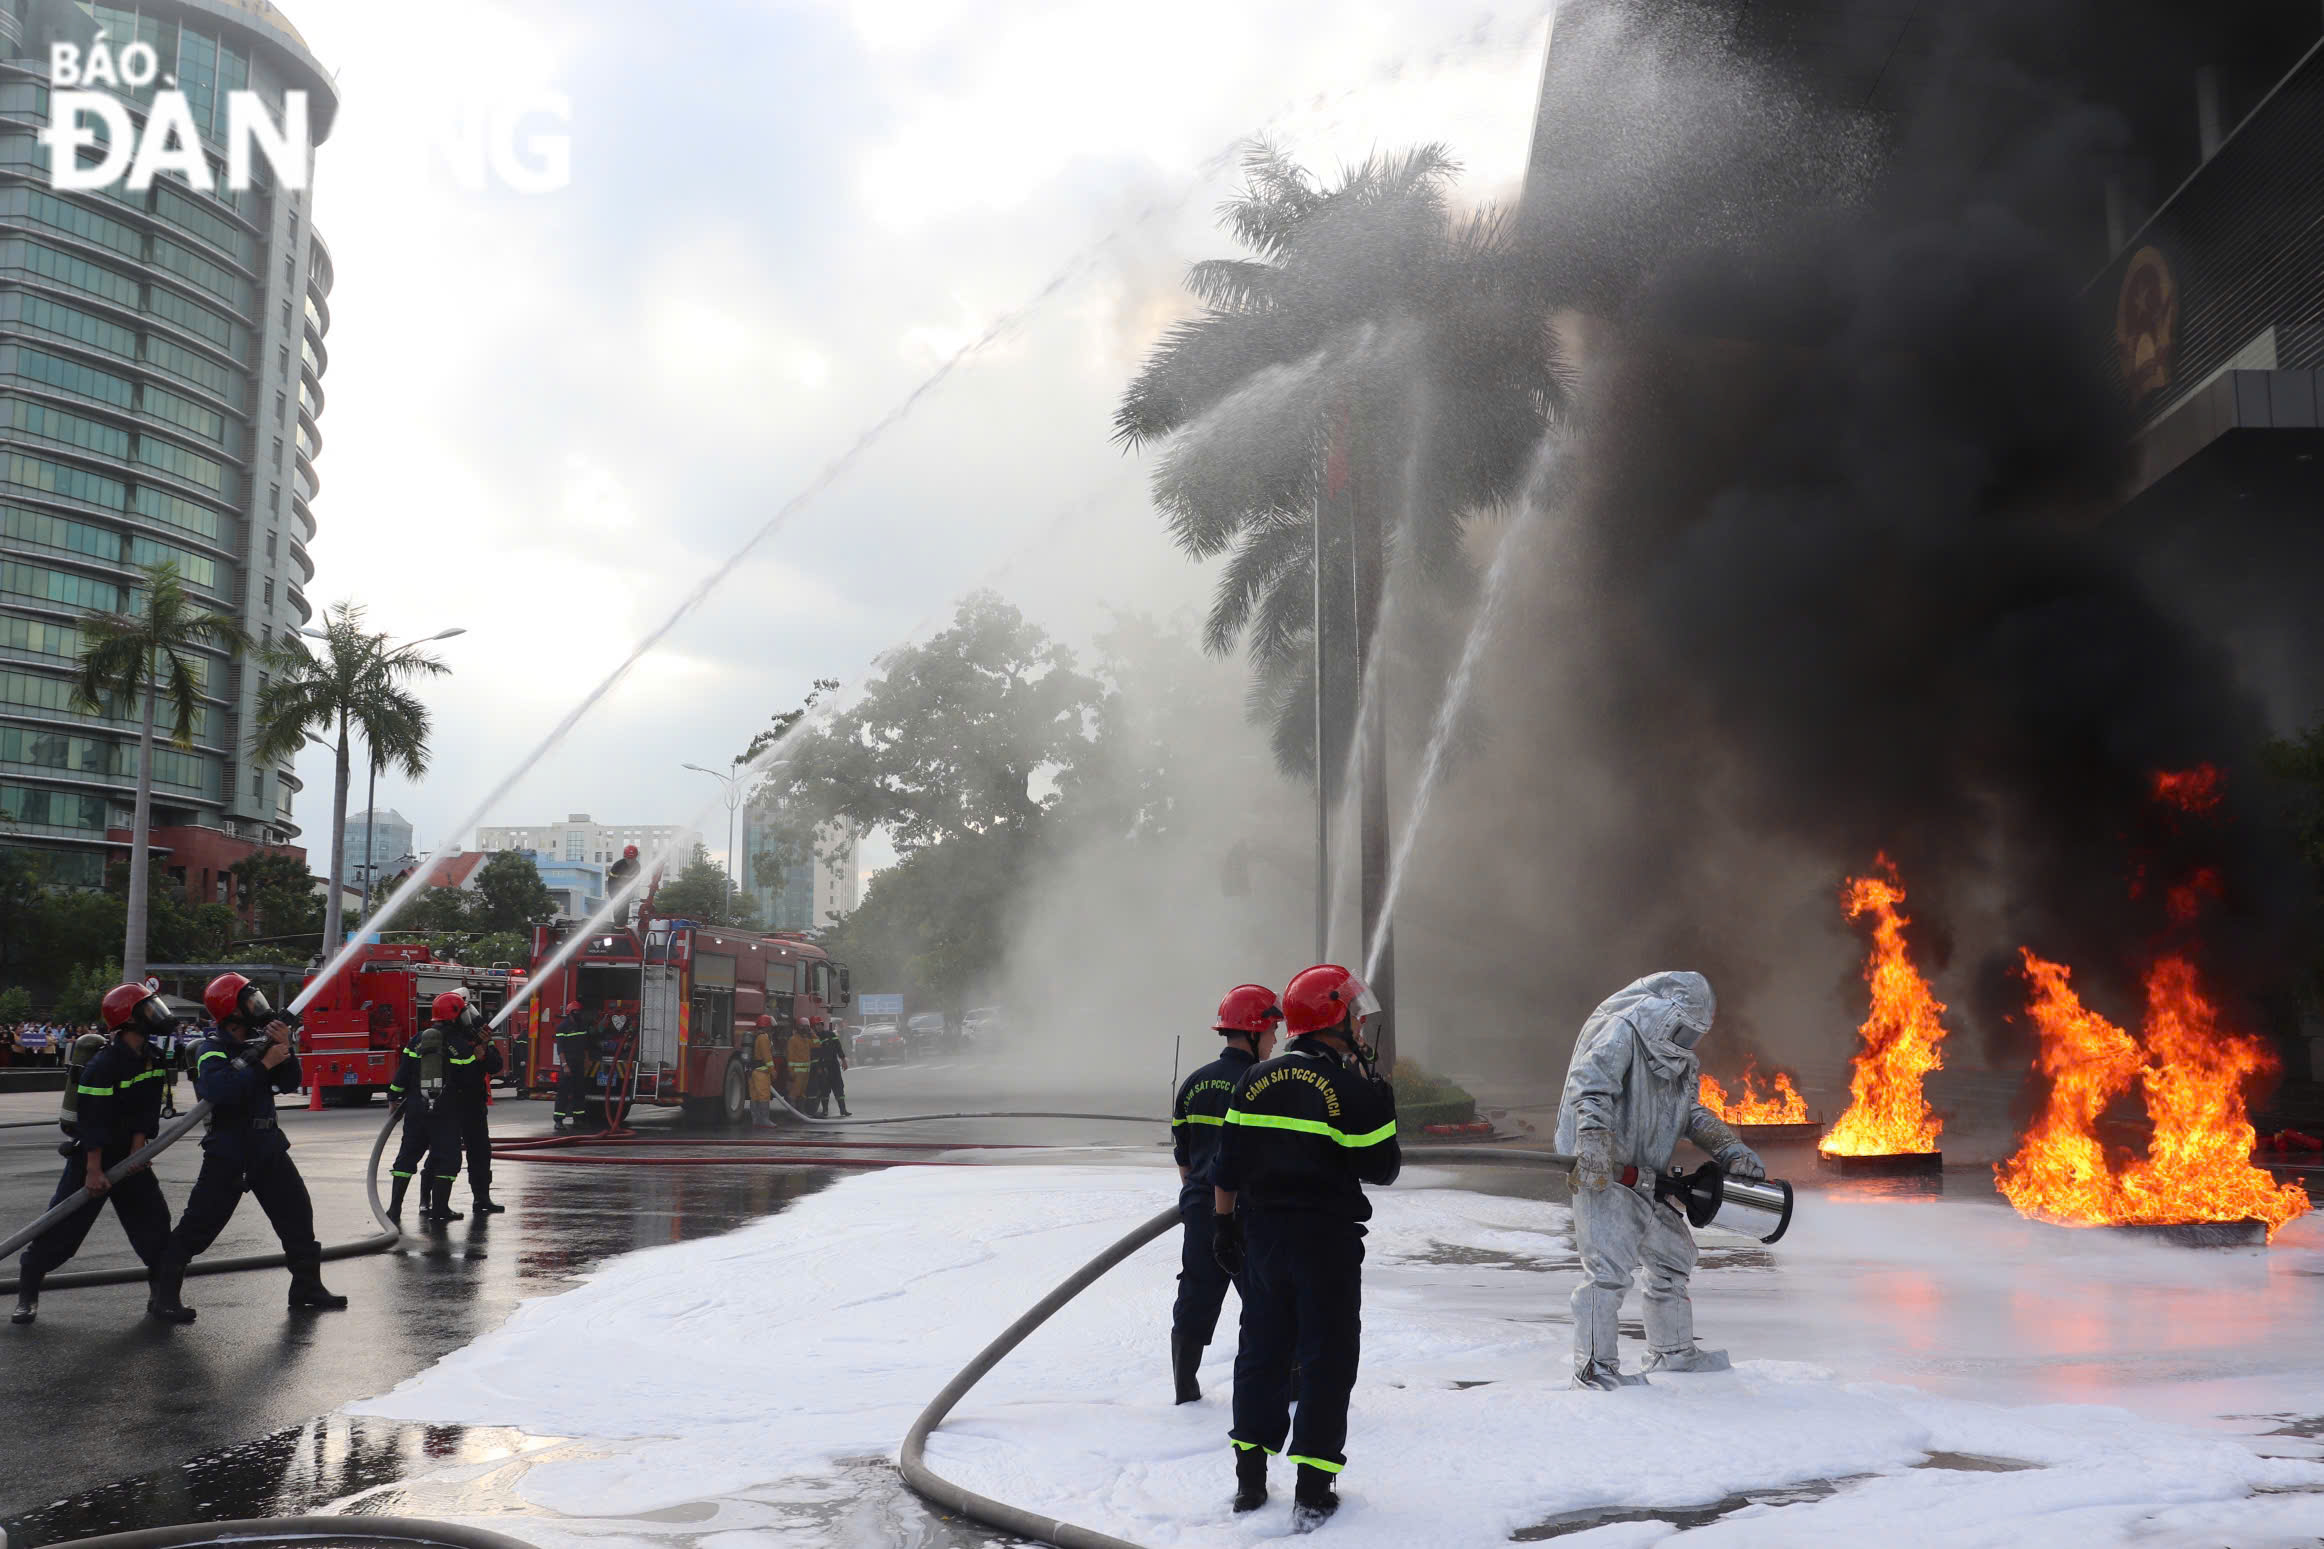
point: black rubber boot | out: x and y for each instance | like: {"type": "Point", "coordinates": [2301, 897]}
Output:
{"type": "Point", "coordinates": [27, 1297]}
{"type": "Point", "coordinates": [444, 1210]}
{"type": "Point", "coordinates": [1250, 1478]}
{"type": "Point", "coordinates": [1185, 1356]}
{"type": "Point", "coordinates": [483, 1205]}
{"type": "Point", "coordinates": [307, 1289]}
{"type": "Point", "coordinates": [1312, 1499]}
{"type": "Point", "coordinates": [395, 1197]}
{"type": "Point", "coordinates": [163, 1283]}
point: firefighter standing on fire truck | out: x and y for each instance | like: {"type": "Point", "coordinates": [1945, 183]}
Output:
{"type": "Point", "coordinates": [1247, 1019]}
{"type": "Point", "coordinates": [474, 1060]}
{"type": "Point", "coordinates": [237, 1071]}
{"type": "Point", "coordinates": [430, 1150]}
{"type": "Point", "coordinates": [576, 1038]}
{"type": "Point", "coordinates": [1304, 1131]}
{"type": "Point", "coordinates": [120, 1090]}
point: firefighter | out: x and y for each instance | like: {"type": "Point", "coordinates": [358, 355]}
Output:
{"type": "Point", "coordinates": [613, 1038]}
{"type": "Point", "coordinates": [575, 1040]}
{"type": "Point", "coordinates": [1303, 1132]}
{"type": "Point", "coordinates": [799, 1055]}
{"type": "Point", "coordinates": [119, 1091]}
{"type": "Point", "coordinates": [430, 1150]}
{"type": "Point", "coordinates": [830, 1068]}
{"type": "Point", "coordinates": [238, 1071]}
{"type": "Point", "coordinates": [472, 1060]}
{"type": "Point", "coordinates": [1247, 1019]}
{"type": "Point", "coordinates": [761, 1054]}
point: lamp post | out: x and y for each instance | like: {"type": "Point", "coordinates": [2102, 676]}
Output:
{"type": "Point", "coordinates": [732, 785]}
{"type": "Point", "coordinates": [371, 784]}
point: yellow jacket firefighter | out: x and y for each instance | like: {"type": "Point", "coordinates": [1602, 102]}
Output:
{"type": "Point", "coordinates": [762, 1066]}
{"type": "Point", "coordinates": [802, 1060]}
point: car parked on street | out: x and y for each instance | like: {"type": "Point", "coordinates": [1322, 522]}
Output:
{"type": "Point", "coordinates": [881, 1043]}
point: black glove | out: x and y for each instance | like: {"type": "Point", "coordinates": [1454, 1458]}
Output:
{"type": "Point", "coordinates": [1226, 1244]}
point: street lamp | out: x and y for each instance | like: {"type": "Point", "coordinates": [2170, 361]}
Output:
{"type": "Point", "coordinates": [371, 785]}
{"type": "Point", "coordinates": [732, 785]}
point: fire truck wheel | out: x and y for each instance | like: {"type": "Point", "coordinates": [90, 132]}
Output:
{"type": "Point", "coordinates": [731, 1103]}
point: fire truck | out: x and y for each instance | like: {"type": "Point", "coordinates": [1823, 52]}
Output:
{"type": "Point", "coordinates": [694, 992]}
{"type": "Point", "coordinates": [352, 1031]}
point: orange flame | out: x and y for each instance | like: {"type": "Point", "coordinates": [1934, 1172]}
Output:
{"type": "Point", "coordinates": [2189, 790]}
{"type": "Point", "coordinates": [2198, 1165]}
{"type": "Point", "coordinates": [1779, 1104]}
{"type": "Point", "coordinates": [1903, 1038]}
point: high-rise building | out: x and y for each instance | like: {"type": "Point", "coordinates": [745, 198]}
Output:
{"type": "Point", "coordinates": [161, 358]}
{"type": "Point", "coordinates": [582, 838]}
{"type": "Point", "coordinates": [814, 892]}
{"type": "Point", "coordinates": [391, 843]}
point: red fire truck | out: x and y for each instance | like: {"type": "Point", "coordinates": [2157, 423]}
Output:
{"type": "Point", "coordinates": [353, 1030]}
{"type": "Point", "coordinates": [693, 991]}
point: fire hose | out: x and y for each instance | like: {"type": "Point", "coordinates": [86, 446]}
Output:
{"type": "Point", "coordinates": [380, 1242]}
{"type": "Point", "coordinates": [1707, 1192]}
{"type": "Point", "coordinates": [333, 1532]}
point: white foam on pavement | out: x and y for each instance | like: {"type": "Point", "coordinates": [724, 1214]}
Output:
{"type": "Point", "coordinates": [762, 1368]}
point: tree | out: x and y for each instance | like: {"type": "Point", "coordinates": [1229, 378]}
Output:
{"type": "Point", "coordinates": [1372, 340]}
{"type": "Point", "coordinates": [963, 736]}
{"type": "Point", "coordinates": [15, 1005]}
{"type": "Point", "coordinates": [510, 895]}
{"type": "Point", "coordinates": [357, 685]}
{"type": "Point", "coordinates": [277, 893]}
{"type": "Point", "coordinates": [936, 924]}
{"type": "Point", "coordinates": [83, 995]}
{"type": "Point", "coordinates": [700, 892]}
{"type": "Point", "coordinates": [142, 654]}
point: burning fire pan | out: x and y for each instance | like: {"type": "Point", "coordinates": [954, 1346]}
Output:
{"type": "Point", "coordinates": [2202, 1234]}
{"type": "Point", "coordinates": [1903, 1164]}
{"type": "Point", "coordinates": [1771, 1134]}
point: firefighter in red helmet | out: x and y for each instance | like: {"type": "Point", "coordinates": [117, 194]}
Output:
{"type": "Point", "coordinates": [423, 1089]}
{"type": "Point", "coordinates": [473, 1062]}
{"type": "Point", "coordinates": [1247, 1019]}
{"type": "Point", "coordinates": [118, 1111]}
{"type": "Point", "coordinates": [237, 1071]}
{"type": "Point", "coordinates": [576, 1040]}
{"type": "Point", "coordinates": [1304, 1132]}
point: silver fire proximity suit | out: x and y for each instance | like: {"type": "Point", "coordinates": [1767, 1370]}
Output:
{"type": "Point", "coordinates": [1631, 1091]}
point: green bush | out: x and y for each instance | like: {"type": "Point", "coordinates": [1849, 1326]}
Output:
{"type": "Point", "coordinates": [1423, 1098]}
{"type": "Point", "coordinates": [15, 1004]}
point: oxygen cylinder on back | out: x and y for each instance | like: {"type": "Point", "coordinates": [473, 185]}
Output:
{"type": "Point", "coordinates": [77, 1056]}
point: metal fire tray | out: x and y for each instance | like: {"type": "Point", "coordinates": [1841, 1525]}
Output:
{"type": "Point", "coordinates": [1901, 1165]}
{"type": "Point", "coordinates": [1769, 1133]}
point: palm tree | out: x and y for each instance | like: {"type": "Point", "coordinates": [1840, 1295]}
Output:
{"type": "Point", "coordinates": [1371, 328]}
{"type": "Point", "coordinates": [147, 651]}
{"type": "Point", "coordinates": [356, 684]}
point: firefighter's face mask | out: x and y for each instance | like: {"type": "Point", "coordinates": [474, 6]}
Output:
{"type": "Point", "coordinates": [254, 1006]}
{"type": "Point", "coordinates": [153, 1018]}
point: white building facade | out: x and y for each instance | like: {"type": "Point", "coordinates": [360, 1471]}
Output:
{"type": "Point", "coordinates": [582, 840]}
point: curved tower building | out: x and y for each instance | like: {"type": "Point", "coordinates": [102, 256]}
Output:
{"type": "Point", "coordinates": [161, 365]}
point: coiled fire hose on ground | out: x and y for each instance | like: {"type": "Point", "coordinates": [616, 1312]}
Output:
{"type": "Point", "coordinates": [170, 1134]}
{"type": "Point", "coordinates": [925, 1482]}
{"type": "Point", "coordinates": [337, 1532]}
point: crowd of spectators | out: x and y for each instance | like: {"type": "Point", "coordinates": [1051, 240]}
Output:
{"type": "Point", "coordinates": [39, 1042]}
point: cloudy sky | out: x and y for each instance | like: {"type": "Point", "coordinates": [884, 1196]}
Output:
{"type": "Point", "coordinates": [550, 415]}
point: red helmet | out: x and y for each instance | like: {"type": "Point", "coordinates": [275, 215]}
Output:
{"type": "Point", "coordinates": [133, 1007]}
{"type": "Point", "coordinates": [572, 1008]}
{"type": "Point", "coordinates": [232, 995]}
{"type": "Point", "coordinates": [765, 1020]}
{"type": "Point", "coordinates": [629, 852]}
{"type": "Point", "coordinates": [1321, 998]}
{"type": "Point", "coordinates": [1248, 1008]}
{"type": "Point", "coordinates": [448, 1006]}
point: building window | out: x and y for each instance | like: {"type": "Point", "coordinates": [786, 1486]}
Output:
{"type": "Point", "coordinates": [270, 537]}
{"type": "Point", "coordinates": [281, 408]}
{"type": "Point", "coordinates": [290, 272]}
{"type": "Point", "coordinates": [286, 321]}
{"type": "Point", "coordinates": [282, 359]}
{"type": "Point", "coordinates": [278, 446]}
{"type": "Point", "coordinates": [270, 596]}
{"type": "Point", "coordinates": [274, 498]}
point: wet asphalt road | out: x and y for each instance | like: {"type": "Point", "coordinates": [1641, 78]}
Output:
{"type": "Point", "coordinates": [103, 1408]}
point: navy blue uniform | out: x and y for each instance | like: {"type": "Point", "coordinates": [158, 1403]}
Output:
{"type": "Point", "coordinates": [471, 1061]}
{"type": "Point", "coordinates": [431, 1125]}
{"type": "Point", "coordinates": [245, 1151]}
{"type": "Point", "coordinates": [576, 1042]}
{"type": "Point", "coordinates": [1197, 1120]}
{"type": "Point", "coordinates": [1304, 1131]}
{"type": "Point", "coordinates": [120, 1099]}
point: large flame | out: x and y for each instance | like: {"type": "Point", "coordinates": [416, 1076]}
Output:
{"type": "Point", "coordinates": [1903, 1038]}
{"type": "Point", "coordinates": [2198, 1166]}
{"type": "Point", "coordinates": [1779, 1104]}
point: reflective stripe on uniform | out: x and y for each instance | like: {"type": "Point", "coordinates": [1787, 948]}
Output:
{"type": "Point", "coordinates": [1249, 1446]}
{"type": "Point", "coordinates": [457, 1060]}
{"type": "Point", "coordinates": [95, 1091]}
{"type": "Point", "coordinates": [212, 1054]}
{"type": "Point", "coordinates": [1197, 1118]}
{"type": "Point", "coordinates": [1329, 1132]}
{"type": "Point", "coordinates": [1324, 1464]}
